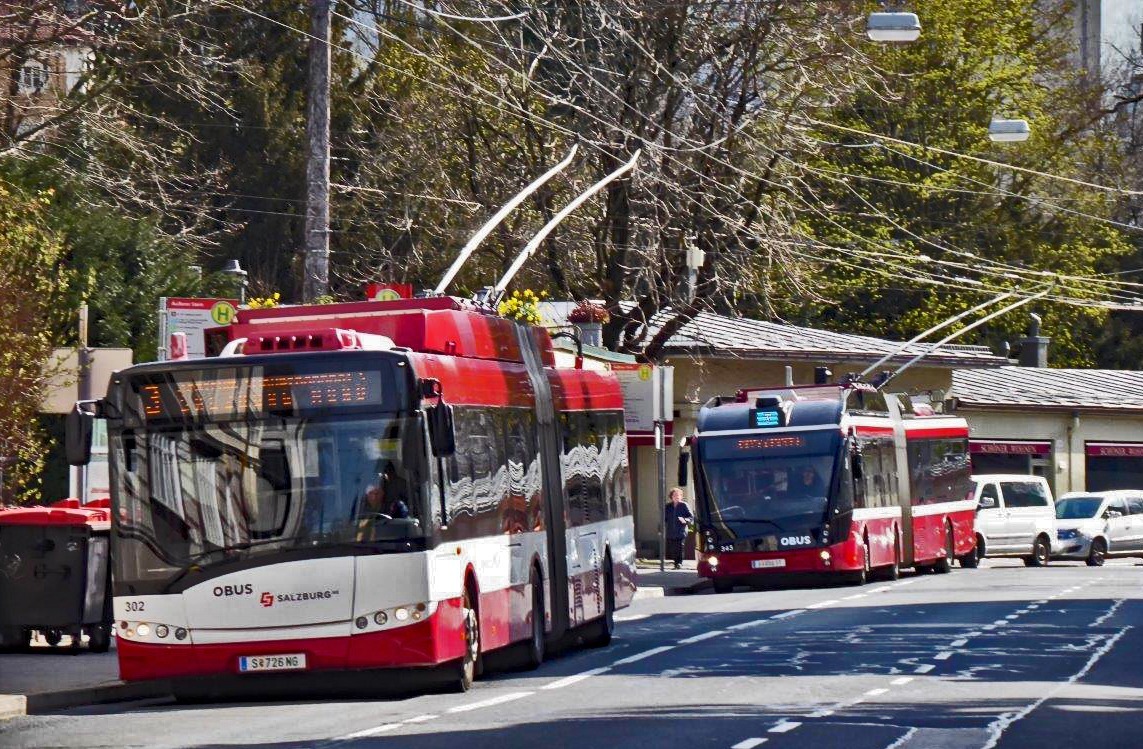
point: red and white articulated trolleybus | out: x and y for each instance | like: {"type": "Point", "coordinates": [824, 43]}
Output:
{"type": "Point", "coordinates": [359, 486]}
{"type": "Point", "coordinates": [828, 479]}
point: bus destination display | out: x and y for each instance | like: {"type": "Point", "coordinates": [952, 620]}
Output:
{"type": "Point", "coordinates": [214, 395]}
{"type": "Point", "coordinates": [766, 418]}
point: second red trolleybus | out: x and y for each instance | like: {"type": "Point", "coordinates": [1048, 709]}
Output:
{"type": "Point", "coordinates": [830, 479]}
{"type": "Point", "coordinates": [359, 486]}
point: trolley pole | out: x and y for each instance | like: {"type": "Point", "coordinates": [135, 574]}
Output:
{"type": "Point", "coordinates": [83, 391]}
{"type": "Point", "coordinates": [661, 453]}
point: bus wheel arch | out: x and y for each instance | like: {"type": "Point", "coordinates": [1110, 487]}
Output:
{"type": "Point", "coordinates": [943, 564]}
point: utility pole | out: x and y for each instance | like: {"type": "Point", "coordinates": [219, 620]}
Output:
{"type": "Point", "coordinates": [316, 267]}
{"type": "Point", "coordinates": [83, 391]}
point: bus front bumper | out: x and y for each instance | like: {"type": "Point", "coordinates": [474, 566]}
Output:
{"type": "Point", "coordinates": [840, 557]}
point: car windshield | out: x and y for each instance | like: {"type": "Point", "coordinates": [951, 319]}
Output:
{"type": "Point", "coordinates": [1078, 508]}
{"type": "Point", "coordinates": [772, 483]}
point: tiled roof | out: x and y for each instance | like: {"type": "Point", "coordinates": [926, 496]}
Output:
{"type": "Point", "coordinates": [722, 336]}
{"type": "Point", "coordinates": [1032, 387]}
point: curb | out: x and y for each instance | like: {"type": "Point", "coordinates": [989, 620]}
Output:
{"type": "Point", "coordinates": [15, 705]}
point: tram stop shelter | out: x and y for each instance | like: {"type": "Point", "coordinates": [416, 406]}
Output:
{"type": "Point", "coordinates": [716, 354]}
{"type": "Point", "coordinates": [1082, 429]}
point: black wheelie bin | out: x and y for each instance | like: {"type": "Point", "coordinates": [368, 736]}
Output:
{"type": "Point", "coordinates": [55, 576]}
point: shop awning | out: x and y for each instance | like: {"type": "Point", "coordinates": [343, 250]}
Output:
{"type": "Point", "coordinates": [1114, 449]}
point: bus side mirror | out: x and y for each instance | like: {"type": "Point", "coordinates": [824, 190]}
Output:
{"type": "Point", "coordinates": [441, 430]}
{"type": "Point", "coordinates": [684, 462]}
{"type": "Point", "coordinates": [80, 429]}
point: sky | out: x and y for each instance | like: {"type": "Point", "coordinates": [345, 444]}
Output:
{"type": "Point", "coordinates": [1120, 21]}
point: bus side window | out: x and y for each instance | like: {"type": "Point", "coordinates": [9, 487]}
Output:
{"type": "Point", "coordinates": [857, 460]}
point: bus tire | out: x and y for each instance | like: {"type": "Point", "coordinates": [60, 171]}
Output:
{"type": "Point", "coordinates": [723, 586]}
{"type": "Point", "coordinates": [466, 668]}
{"type": "Point", "coordinates": [600, 631]}
{"type": "Point", "coordinates": [99, 638]}
{"type": "Point", "coordinates": [535, 652]}
{"type": "Point", "coordinates": [944, 565]}
{"type": "Point", "coordinates": [893, 571]}
{"type": "Point", "coordinates": [861, 578]}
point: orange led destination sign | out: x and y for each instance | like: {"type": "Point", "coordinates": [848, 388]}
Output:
{"type": "Point", "coordinates": [203, 395]}
{"type": "Point", "coordinates": [771, 443]}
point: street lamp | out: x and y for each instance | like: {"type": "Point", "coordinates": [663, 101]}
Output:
{"type": "Point", "coordinates": [893, 26]}
{"type": "Point", "coordinates": [1008, 131]}
{"type": "Point", "coordinates": [234, 269]}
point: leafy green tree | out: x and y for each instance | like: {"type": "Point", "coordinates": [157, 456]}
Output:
{"type": "Point", "coordinates": [33, 311]}
{"type": "Point", "coordinates": [905, 236]}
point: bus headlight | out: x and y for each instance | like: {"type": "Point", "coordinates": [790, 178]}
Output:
{"type": "Point", "coordinates": [162, 630]}
{"type": "Point", "coordinates": [401, 614]}
{"type": "Point", "coordinates": [143, 630]}
{"type": "Point", "coordinates": [712, 561]}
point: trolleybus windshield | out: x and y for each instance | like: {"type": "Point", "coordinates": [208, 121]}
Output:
{"type": "Point", "coordinates": [223, 465]}
{"type": "Point", "coordinates": [773, 481]}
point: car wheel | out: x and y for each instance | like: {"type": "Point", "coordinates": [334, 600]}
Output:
{"type": "Point", "coordinates": [1098, 553]}
{"type": "Point", "coordinates": [1041, 552]}
{"type": "Point", "coordinates": [971, 560]}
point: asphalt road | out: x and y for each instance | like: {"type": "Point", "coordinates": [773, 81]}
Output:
{"type": "Point", "coordinates": [1002, 656]}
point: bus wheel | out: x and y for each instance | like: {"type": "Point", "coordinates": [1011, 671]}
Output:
{"type": "Point", "coordinates": [466, 669]}
{"type": "Point", "coordinates": [99, 638]}
{"type": "Point", "coordinates": [600, 631]}
{"type": "Point", "coordinates": [944, 565]}
{"type": "Point", "coordinates": [723, 586]}
{"type": "Point", "coordinates": [971, 560]}
{"type": "Point", "coordinates": [893, 571]}
{"type": "Point", "coordinates": [861, 578]}
{"type": "Point", "coordinates": [535, 653]}
{"type": "Point", "coordinates": [54, 637]}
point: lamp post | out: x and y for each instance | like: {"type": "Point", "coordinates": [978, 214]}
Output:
{"type": "Point", "coordinates": [234, 270]}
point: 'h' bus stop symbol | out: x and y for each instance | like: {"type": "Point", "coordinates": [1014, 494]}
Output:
{"type": "Point", "coordinates": [223, 313]}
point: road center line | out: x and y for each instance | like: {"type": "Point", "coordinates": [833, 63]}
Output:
{"type": "Point", "coordinates": [702, 636]}
{"type": "Point", "coordinates": [368, 732]}
{"type": "Point", "coordinates": [490, 702]}
{"type": "Point", "coordinates": [787, 614]}
{"type": "Point", "coordinates": [746, 625]}
{"type": "Point", "coordinates": [958, 643]}
{"type": "Point", "coordinates": [567, 681]}
{"type": "Point", "coordinates": [644, 654]}
{"type": "Point", "coordinates": [785, 726]}
{"type": "Point", "coordinates": [421, 718]}
{"type": "Point", "coordinates": [875, 692]}
{"type": "Point", "coordinates": [749, 743]}
{"type": "Point", "coordinates": [901, 681]}
{"type": "Point", "coordinates": [823, 604]}
{"type": "Point", "coordinates": [924, 668]}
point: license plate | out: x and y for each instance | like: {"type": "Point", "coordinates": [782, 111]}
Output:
{"type": "Point", "coordinates": [761, 564]}
{"type": "Point", "coordinates": [289, 662]}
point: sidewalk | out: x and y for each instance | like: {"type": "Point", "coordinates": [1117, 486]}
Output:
{"type": "Point", "coordinates": [40, 679]}
{"type": "Point", "coordinates": [670, 582]}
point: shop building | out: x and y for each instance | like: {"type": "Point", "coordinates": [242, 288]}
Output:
{"type": "Point", "coordinates": [1082, 429]}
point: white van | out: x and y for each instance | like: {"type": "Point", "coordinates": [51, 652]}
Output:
{"type": "Point", "coordinates": [1093, 526]}
{"type": "Point", "coordinates": [1015, 517]}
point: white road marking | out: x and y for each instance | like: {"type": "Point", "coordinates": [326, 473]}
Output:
{"type": "Point", "coordinates": [787, 614]}
{"type": "Point", "coordinates": [785, 726]}
{"type": "Point", "coordinates": [855, 596]}
{"type": "Point", "coordinates": [1012, 616]}
{"type": "Point", "coordinates": [972, 634]}
{"type": "Point", "coordinates": [644, 654]}
{"type": "Point", "coordinates": [368, 732]}
{"type": "Point", "coordinates": [749, 743]}
{"type": "Point", "coordinates": [943, 656]}
{"type": "Point", "coordinates": [989, 627]}
{"type": "Point", "coordinates": [490, 702]}
{"type": "Point", "coordinates": [820, 714]}
{"type": "Point", "coordinates": [1108, 614]}
{"type": "Point", "coordinates": [747, 625]}
{"type": "Point", "coordinates": [901, 681]}
{"type": "Point", "coordinates": [823, 604]}
{"type": "Point", "coordinates": [1040, 603]}
{"type": "Point", "coordinates": [1033, 606]}
{"type": "Point", "coordinates": [701, 637]}
{"type": "Point", "coordinates": [1000, 622]}
{"type": "Point", "coordinates": [924, 668]}
{"type": "Point", "coordinates": [632, 617]}
{"type": "Point", "coordinates": [875, 692]}
{"type": "Point", "coordinates": [567, 681]}
{"type": "Point", "coordinates": [1001, 724]}
{"type": "Point", "coordinates": [958, 643]}
{"type": "Point", "coordinates": [904, 739]}
{"type": "Point", "coordinates": [421, 718]}
{"type": "Point", "coordinates": [882, 589]}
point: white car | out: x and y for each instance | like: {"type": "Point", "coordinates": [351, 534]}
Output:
{"type": "Point", "coordinates": [1015, 517]}
{"type": "Point", "coordinates": [1093, 526]}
